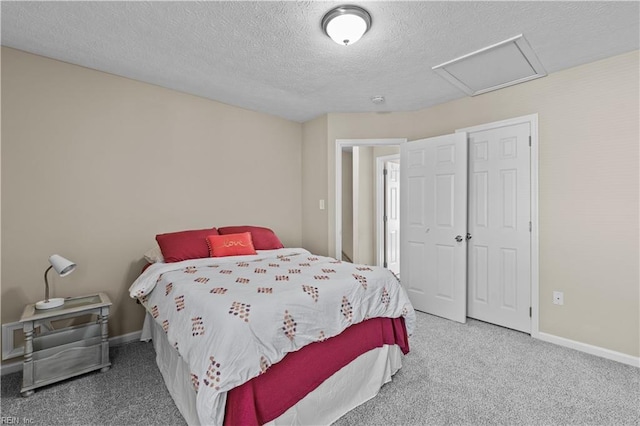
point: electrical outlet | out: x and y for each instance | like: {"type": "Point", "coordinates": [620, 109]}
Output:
{"type": "Point", "coordinates": [558, 298]}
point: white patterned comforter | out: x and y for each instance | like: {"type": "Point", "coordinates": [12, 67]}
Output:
{"type": "Point", "coordinates": [230, 318]}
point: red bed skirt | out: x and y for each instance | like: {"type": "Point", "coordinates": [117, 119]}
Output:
{"type": "Point", "coordinates": [269, 395]}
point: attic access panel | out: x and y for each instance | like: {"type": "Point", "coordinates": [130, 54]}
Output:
{"type": "Point", "coordinates": [503, 64]}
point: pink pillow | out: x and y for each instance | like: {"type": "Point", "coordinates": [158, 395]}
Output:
{"type": "Point", "coordinates": [263, 238]}
{"type": "Point", "coordinates": [179, 246]}
{"type": "Point", "coordinates": [230, 245]}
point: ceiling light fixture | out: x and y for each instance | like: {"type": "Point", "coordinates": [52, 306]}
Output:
{"type": "Point", "coordinates": [346, 24]}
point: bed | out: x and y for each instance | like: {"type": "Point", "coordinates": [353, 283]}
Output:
{"type": "Point", "coordinates": [281, 336]}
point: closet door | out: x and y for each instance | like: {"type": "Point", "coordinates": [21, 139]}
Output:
{"type": "Point", "coordinates": [433, 209]}
{"type": "Point", "coordinates": [499, 222]}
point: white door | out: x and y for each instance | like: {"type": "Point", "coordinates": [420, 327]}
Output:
{"type": "Point", "coordinates": [392, 216]}
{"type": "Point", "coordinates": [433, 209]}
{"type": "Point", "coordinates": [499, 223]}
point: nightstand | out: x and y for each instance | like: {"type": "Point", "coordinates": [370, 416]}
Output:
{"type": "Point", "coordinates": [66, 341]}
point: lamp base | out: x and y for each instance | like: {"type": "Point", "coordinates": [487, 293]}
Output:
{"type": "Point", "coordinates": [51, 303]}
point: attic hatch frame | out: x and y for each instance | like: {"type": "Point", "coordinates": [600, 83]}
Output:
{"type": "Point", "coordinates": [520, 43]}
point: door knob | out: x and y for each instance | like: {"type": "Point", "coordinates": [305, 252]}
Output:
{"type": "Point", "coordinates": [459, 238]}
{"type": "Point", "coordinates": [468, 236]}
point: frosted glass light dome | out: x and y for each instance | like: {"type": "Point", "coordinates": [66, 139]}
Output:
{"type": "Point", "coordinates": [346, 24]}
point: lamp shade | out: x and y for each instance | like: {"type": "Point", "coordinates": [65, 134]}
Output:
{"type": "Point", "coordinates": [346, 24]}
{"type": "Point", "coordinates": [62, 265]}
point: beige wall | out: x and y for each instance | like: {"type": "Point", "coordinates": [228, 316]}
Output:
{"type": "Point", "coordinates": [95, 165]}
{"type": "Point", "coordinates": [314, 184]}
{"type": "Point", "coordinates": [364, 252]}
{"type": "Point", "coordinates": [384, 150]}
{"type": "Point", "coordinates": [588, 179]}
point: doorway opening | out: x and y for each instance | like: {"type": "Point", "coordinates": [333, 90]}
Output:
{"type": "Point", "coordinates": [358, 215]}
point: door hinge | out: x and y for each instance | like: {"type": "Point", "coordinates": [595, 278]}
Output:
{"type": "Point", "coordinates": [529, 140]}
{"type": "Point", "coordinates": [530, 226]}
{"type": "Point", "coordinates": [530, 311]}
{"type": "Point", "coordinates": [384, 172]}
{"type": "Point", "coordinates": [384, 218]}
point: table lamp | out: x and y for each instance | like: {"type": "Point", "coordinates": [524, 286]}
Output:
{"type": "Point", "coordinates": [63, 267]}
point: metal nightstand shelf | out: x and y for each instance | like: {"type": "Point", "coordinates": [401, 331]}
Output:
{"type": "Point", "coordinates": [51, 354]}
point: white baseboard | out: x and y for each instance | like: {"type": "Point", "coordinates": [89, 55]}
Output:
{"type": "Point", "coordinates": [11, 367]}
{"type": "Point", "coordinates": [125, 338]}
{"type": "Point", "coordinates": [14, 367]}
{"type": "Point", "coordinates": [590, 349]}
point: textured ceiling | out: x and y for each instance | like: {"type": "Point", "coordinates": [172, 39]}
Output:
{"type": "Point", "coordinates": [273, 57]}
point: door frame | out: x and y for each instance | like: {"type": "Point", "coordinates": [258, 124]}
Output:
{"type": "Point", "coordinates": [380, 248]}
{"type": "Point", "coordinates": [343, 143]}
{"type": "Point", "coordinates": [532, 119]}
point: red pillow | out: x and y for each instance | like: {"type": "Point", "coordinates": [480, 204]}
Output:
{"type": "Point", "coordinates": [179, 246]}
{"type": "Point", "coordinates": [230, 245]}
{"type": "Point", "coordinates": [263, 238]}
